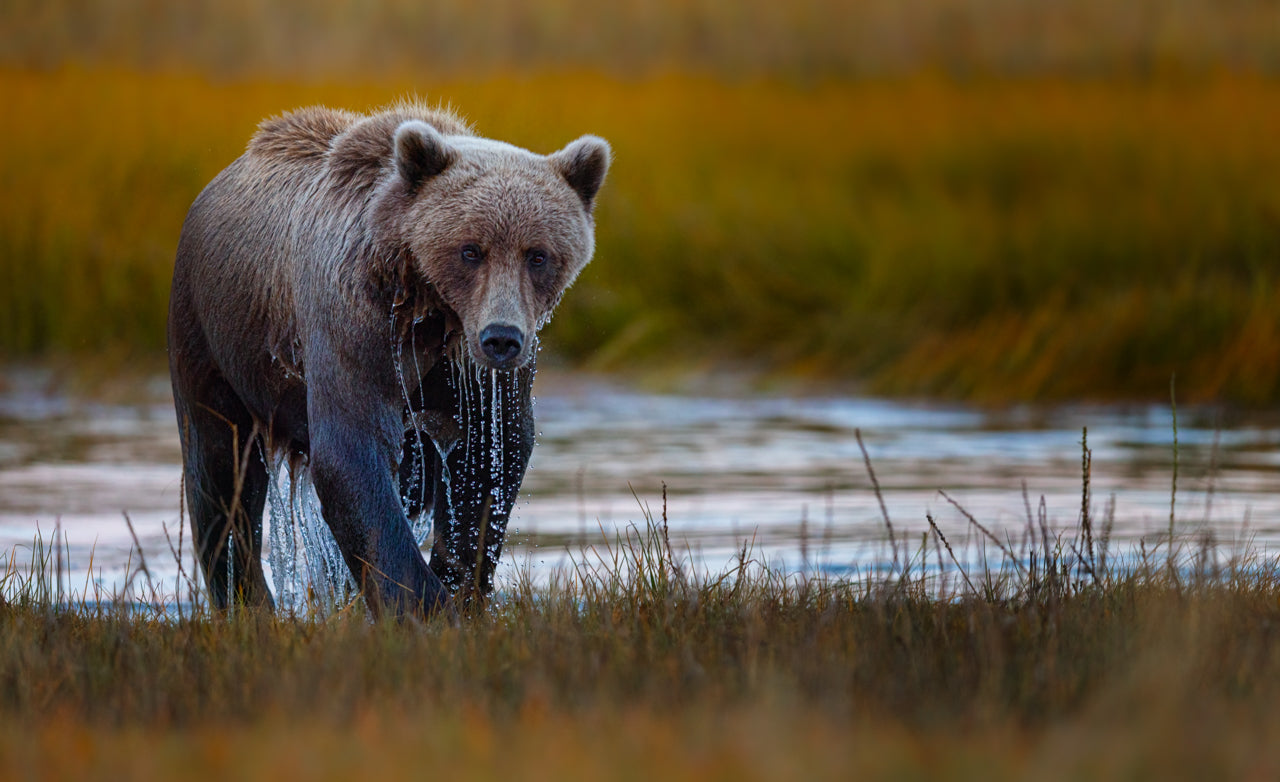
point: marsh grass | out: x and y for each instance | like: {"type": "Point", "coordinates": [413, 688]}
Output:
{"type": "Point", "coordinates": [994, 238]}
{"type": "Point", "coordinates": [804, 40]}
{"type": "Point", "coordinates": [1060, 657]}
{"type": "Point", "coordinates": [971, 198]}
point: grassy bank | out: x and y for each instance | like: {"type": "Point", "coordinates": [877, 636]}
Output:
{"type": "Point", "coordinates": [1058, 665]}
{"type": "Point", "coordinates": [802, 40]}
{"type": "Point", "coordinates": [991, 239]}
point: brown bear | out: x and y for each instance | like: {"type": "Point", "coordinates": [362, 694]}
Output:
{"type": "Point", "coordinates": [361, 295]}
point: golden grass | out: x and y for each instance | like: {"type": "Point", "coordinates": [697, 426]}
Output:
{"type": "Point", "coordinates": [994, 239]}
{"type": "Point", "coordinates": [800, 39]}
{"type": "Point", "coordinates": [1058, 666]}
{"type": "Point", "coordinates": [1068, 658]}
{"type": "Point", "coordinates": [760, 742]}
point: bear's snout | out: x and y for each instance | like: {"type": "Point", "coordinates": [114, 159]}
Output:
{"type": "Point", "coordinates": [501, 343]}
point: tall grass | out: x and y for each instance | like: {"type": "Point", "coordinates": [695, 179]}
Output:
{"type": "Point", "coordinates": [993, 239]}
{"type": "Point", "coordinates": [1058, 662]}
{"type": "Point", "coordinates": [1061, 656]}
{"type": "Point", "coordinates": [979, 198]}
{"type": "Point", "coordinates": [799, 40]}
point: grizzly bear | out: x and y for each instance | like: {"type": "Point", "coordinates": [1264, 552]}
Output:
{"type": "Point", "coordinates": [361, 295]}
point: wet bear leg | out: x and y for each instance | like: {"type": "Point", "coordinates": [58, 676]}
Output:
{"type": "Point", "coordinates": [226, 488]}
{"type": "Point", "coordinates": [484, 470]}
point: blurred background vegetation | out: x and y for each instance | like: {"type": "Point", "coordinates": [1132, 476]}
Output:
{"type": "Point", "coordinates": [988, 199]}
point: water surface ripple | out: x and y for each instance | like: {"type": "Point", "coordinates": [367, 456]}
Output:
{"type": "Point", "coordinates": [785, 472]}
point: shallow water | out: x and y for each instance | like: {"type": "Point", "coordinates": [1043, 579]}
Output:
{"type": "Point", "coordinates": [783, 472]}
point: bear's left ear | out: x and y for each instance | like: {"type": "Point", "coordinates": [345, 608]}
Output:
{"type": "Point", "coordinates": [583, 165]}
{"type": "Point", "coordinates": [421, 152]}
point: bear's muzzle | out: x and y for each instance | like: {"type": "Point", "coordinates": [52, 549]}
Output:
{"type": "Point", "coordinates": [502, 344]}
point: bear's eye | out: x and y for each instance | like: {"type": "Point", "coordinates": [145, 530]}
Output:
{"type": "Point", "coordinates": [471, 253]}
{"type": "Point", "coordinates": [536, 258]}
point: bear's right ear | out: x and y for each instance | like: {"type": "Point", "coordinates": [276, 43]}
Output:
{"type": "Point", "coordinates": [421, 152]}
{"type": "Point", "coordinates": [583, 165]}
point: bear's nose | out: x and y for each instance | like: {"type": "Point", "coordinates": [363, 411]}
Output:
{"type": "Point", "coordinates": [501, 343]}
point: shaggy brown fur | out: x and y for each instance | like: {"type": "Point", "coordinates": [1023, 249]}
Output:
{"type": "Point", "coordinates": [333, 290]}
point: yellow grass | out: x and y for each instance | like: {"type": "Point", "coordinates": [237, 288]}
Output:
{"type": "Point", "coordinates": [1059, 665]}
{"type": "Point", "coordinates": [992, 239]}
{"type": "Point", "coordinates": [798, 39]}
{"type": "Point", "coordinates": [766, 742]}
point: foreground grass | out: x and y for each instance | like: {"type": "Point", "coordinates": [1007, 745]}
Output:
{"type": "Point", "coordinates": [1059, 664]}
{"type": "Point", "coordinates": [766, 741]}
{"type": "Point", "coordinates": [992, 238]}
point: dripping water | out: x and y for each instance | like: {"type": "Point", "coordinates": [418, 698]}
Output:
{"type": "Point", "coordinates": [282, 552]}
{"type": "Point", "coordinates": [231, 566]}
{"type": "Point", "coordinates": [421, 522]}
{"type": "Point", "coordinates": [307, 568]}
{"type": "Point", "coordinates": [495, 439]}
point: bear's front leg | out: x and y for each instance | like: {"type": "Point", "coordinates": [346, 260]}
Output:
{"type": "Point", "coordinates": [477, 483]}
{"type": "Point", "coordinates": [355, 449]}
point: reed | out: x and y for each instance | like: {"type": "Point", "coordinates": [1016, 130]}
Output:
{"type": "Point", "coordinates": [634, 662]}
{"type": "Point", "coordinates": [1059, 655]}
{"type": "Point", "coordinates": [991, 239]}
{"type": "Point", "coordinates": [803, 40]}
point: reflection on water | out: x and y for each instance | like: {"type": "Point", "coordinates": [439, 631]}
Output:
{"type": "Point", "coordinates": [785, 472]}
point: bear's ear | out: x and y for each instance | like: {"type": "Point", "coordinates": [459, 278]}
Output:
{"type": "Point", "coordinates": [421, 152]}
{"type": "Point", "coordinates": [583, 165]}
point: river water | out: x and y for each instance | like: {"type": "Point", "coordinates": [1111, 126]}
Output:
{"type": "Point", "coordinates": [784, 474]}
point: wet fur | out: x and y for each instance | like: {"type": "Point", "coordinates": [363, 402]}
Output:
{"type": "Point", "coordinates": [317, 286]}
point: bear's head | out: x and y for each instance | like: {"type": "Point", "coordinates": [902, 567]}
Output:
{"type": "Point", "coordinates": [499, 232]}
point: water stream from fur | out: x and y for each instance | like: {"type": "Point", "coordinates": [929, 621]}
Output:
{"type": "Point", "coordinates": [308, 572]}
{"type": "Point", "coordinates": [482, 400]}
{"type": "Point", "coordinates": [417, 485]}
{"type": "Point", "coordinates": [307, 569]}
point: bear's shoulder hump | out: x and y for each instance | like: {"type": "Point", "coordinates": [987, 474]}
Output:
{"type": "Point", "coordinates": [360, 153]}
{"type": "Point", "coordinates": [304, 134]}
